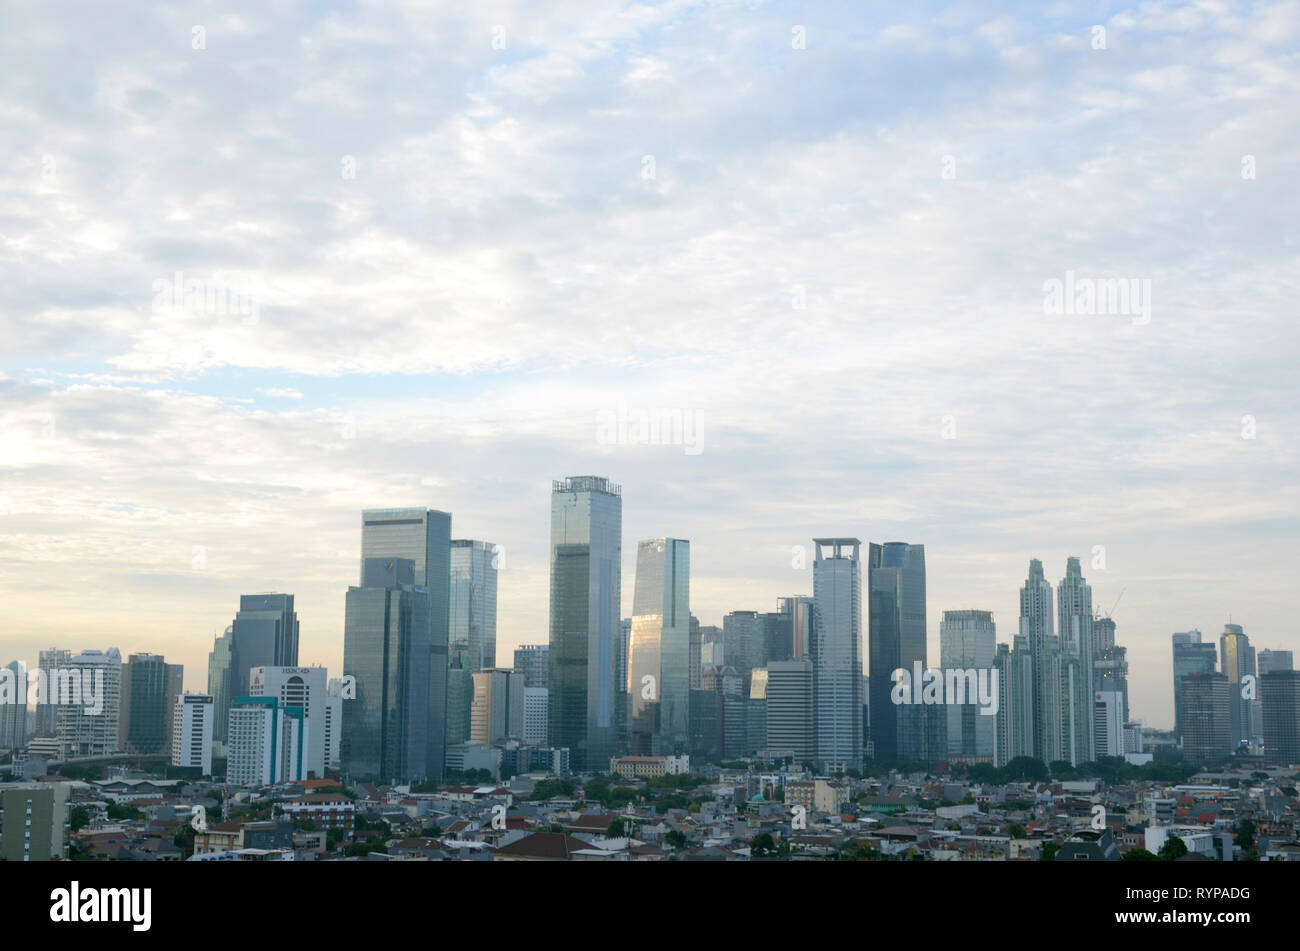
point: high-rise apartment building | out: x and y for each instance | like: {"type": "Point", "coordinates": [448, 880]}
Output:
{"type": "Point", "coordinates": [1075, 630]}
{"type": "Point", "coordinates": [1036, 627]}
{"type": "Point", "coordinates": [968, 641]}
{"type": "Point", "coordinates": [1014, 722]}
{"type": "Point", "coordinates": [13, 711]}
{"type": "Point", "coordinates": [192, 732]}
{"type": "Point", "coordinates": [91, 726]}
{"type": "Point", "coordinates": [588, 703]}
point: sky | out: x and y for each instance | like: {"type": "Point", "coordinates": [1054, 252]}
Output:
{"type": "Point", "coordinates": [443, 254]}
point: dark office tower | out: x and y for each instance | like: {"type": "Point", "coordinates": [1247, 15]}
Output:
{"type": "Point", "coordinates": [719, 715]}
{"type": "Point", "coordinates": [1269, 661]}
{"type": "Point", "coordinates": [789, 711]}
{"type": "Point", "coordinates": [776, 630]}
{"type": "Point", "coordinates": [896, 636]}
{"type": "Point", "coordinates": [837, 652]}
{"type": "Point", "coordinates": [1206, 716]}
{"type": "Point", "coordinates": [587, 704]}
{"type": "Point", "coordinates": [742, 641]}
{"type": "Point", "coordinates": [800, 611]}
{"type": "Point", "coordinates": [659, 678]}
{"type": "Point", "coordinates": [694, 660]}
{"type": "Point", "coordinates": [175, 690]}
{"type": "Point", "coordinates": [264, 634]}
{"type": "Point", "coordinates": [143, 724]}
{"type": "Point", "coordinates": [533, 661]}
{"type": "Point", "coordinates": [1074, 605]}
{"type": "Point", "coordinates": [472, 626]}
{"type": "Point", "coordinates": [1279, 692]}
{"type": "Point", "coordinates": [1237, 660]}
{"type": "Point", "coordinates": [221, 677]}
{"type": "Point", "coordinates": [1191, 656]}
{"type": "Point", "coordinates": [624, 651]}
{"type": "Point", "coordinates": [424, 537]}
{"type": "Point", "coordinates": [386, 648]}
{"type": "Point", "coordinates": [1044, 648]}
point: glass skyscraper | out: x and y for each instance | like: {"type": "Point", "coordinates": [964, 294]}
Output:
{"type": "Point", "coordinates": [1237, 658]}
{"type": "Point", "coordinates": [264, 634]}
{"type": "Point", "coordinates": [1191, 656]}
{"type": "Point", "coordinates": [386, 647]}
{"type": "Point", "coordinates": [472, 627]}
{"type": "Point", "coordinates": [220, 678]}
{"type": "Point", "coordinates": [659, 678]}
{"type": "Point", "coordinates": [424, 537]}
{"type": "Point", "coordinates": [968, 640]}
{"type": "Point", "coordinates": [1036, 627]}
{"type": "Point", "coordinates": [1074, 612]}
{"type": "Point", "coordinates": [144, 705]}
{"type": "Point", "coordinates": [587, 701]}
{"type": "Point", "coordinates": [896, 639]}
{"type": "Point", "coordinates": [837, 651]}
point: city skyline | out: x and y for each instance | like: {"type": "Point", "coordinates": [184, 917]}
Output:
{"type": "Point", "coordinates": [693, 246]}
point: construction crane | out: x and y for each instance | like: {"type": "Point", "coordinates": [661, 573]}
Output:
{"type": "Point", "coordinates": [1113, 606]}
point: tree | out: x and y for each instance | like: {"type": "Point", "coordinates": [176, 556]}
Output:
{"type": "Point", "coordinates": [1049, 852]}
{"type": "Point", "coordinates": [1017, 831]}
{"type": "Point", "coordinates": [1174, 848]}
{"type": "Point", "coordinates": [79, 817]}
{"type": "Point", "coordinates": [617, 829]}
{"type": "Point", "coordinates": [762, 845]}
{"type": "Point", "coordinates": [676, 838]}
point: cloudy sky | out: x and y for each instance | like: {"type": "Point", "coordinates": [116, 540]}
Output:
{"type": "Point", "coordinates": [428, 255]}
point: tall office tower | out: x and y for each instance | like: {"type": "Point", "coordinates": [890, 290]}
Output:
{"type": "Point", "coordinates": [837, 651]}
{"type": "Point", "coordinates": [968, 641]}
{"type": "Point", "coordinates": [1206, 717]}
{"type": "Point", "coordinates": [1110, 673]}
{"type": "Point", "coordinates": [1015, 718]}
{"type": "Point", "coordinates": [896, 580]}
{"type": "Point", "coordinates": [624, 652]}
{"type": "Point", "coordinates": [1191, 656]}
{"type": "Point", "coordinates": [497, 713]}
{"type": "Point", "coordinates": [386, 648]}
{"type": "Point", "coordinates": [306, 688]}
{"type": "Point", "coordinates": [264, 742]}
{"type": "Point", "coordinates": [533, 661]}
{"type": "Point", "coordinates": [1108, 723]}
{"type": "Point", "coordinates": [473, 618]}
{"type": "Point", "coordinates": [1270, 660]}
{"type": "Point", "coordinates": [48, 663]}
{"type": "Point", "coordinates": [1075, 629]}
{"type": "Point", "coordinates": [192, 732]}
{"type": "Point", "coordinates": [460, 699]}
{"type": "Point", "coordinates": [264, 634]}
{"type": "Point", "coordinates": [13, 710]}
{"type": "Point", "coordinates": [711, 644]}
{"type": "Point", "coordinates": [776, 635]}
{"type": "Point", "coordinates": [143, 727]}
{"type": "Point", "coordinates": [588, 703]}
{"type": "Point", "coordinates": [175, 674]}
{"type": "Point", "coordinates": [694, 653]}
{"type": "Point", "coordinates": [742, 641]}
{"type": "Point", "coordinates": [90, 726]}
{"type": "Point", "coordinates": [799, 609]}
{"type": "Point", "coordinates": [1103, 634]}
{"type": "Point", "coordinates": [1036, 629]}
{"type": "Point", "coordinates": [333, 723]}
{"type": "Point", "coordinates": [1237, 658]}
{"type": "Point", "coordinates": [720, 728]}
{"type": "Point", "coordinates": [536, 708]}
{"type": "Point", "coordinates": [1279, 693]}
{"type": "Point", "coordinates": [659, 651]}
{"type": "Point", "coordinates": [424, 537]}
{"type": "Point", "coordinates": [756, 711]}
{"type": "Point", "coordinates": [221, 682]}
{"type": "Point", "coordinates": [34, 822]}
{"type": "Point", "coordinates": [790, 711]}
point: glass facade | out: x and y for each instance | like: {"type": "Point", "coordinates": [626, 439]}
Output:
{"type": "Point", "coordinates": [472, 625]}
{"type": "Point", "coordinates": [587, 701]}
{"type": "Point", "coordinates": [219, 680]}
{"type": "Point", "coordinates": [424, 537]}
{"type": "Point", "coordinates": [1191, 656]}
{"type": "Point", "coordinates": [659, 650]}
{"type": "Point", "coordinates": [264, 634]}
{"type": "Point", "coordinates": [896, 638]}
{"type": "Point", "coordinates": [144, 704]}
{"type": "Point", "coordinates": [837, 651]}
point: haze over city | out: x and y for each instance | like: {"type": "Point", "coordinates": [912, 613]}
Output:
{"type": "Point", "coordinates": [452, 246]}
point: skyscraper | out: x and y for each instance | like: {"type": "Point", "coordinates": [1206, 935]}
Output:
{"type": "Point", "coordinates": [587, 702]}
{"type": "Point", "coordinates": [790, 710]}
{"type": "Point", "coordinates": [1191, 656]}
{"type": "Point", "coordinates": [48, 662]}
{"type": "Point", "coordinates": [799, 609]}
{"type": "Point", "coordinates": [191, 744]}
{"type": "Point", "coordinates": [1270, 660]}
{"type": "Point", "coordinates": [1015, 717]}
{"type": "Point", "coordinates": [1074, 606]}
{"type": "Point", "coordinates": [91, 726]}
{"type": "Point", "coordinates": [424, 537]}
{"type": "Point", "coordinates": [13, 715]}
{"type": "Point", "coordinates": [221, 678]}
{"type": "Point", "coordinates": [264, 634]}
{"type": "Point", "coordinates": [386, 647]}
{"type": "Point", "coordinates": [497, 711]}
{"type": "Point", "coordinates": [968, 641]}
{"type": "Point", "coordinates": [305, 688]}
{"type": "Point", "coordinates": [1044, 648]}
{"type": "Point", "coordinates": [473, 618]}
{"type": "Point", "coordinates": [1206, 717]}
{"type": "Point", "coordinates": [1237, 658]}
{"type": "Point", "coordinates": [742, 641]}
{"type": "Point", "coordinates": [143, 728]}
{"type": "Point", "coordinates": [897, 639]}
{"type": "Point", "coordinates": [533, 662]}
{"type": "Point", "coordinates": [1279, 692]}
{"type": "Point", "coordinates": [837, 651]}
{"type": "Point", "coordinates": [659, 675]}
